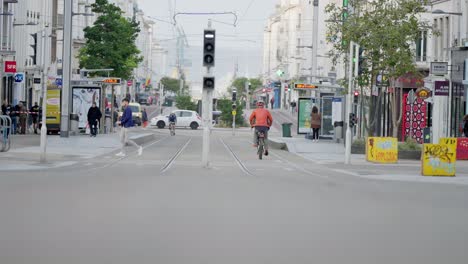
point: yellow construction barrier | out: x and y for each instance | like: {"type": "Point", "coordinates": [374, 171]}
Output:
{"type": "Point", "coordinates": [382, 150]}
{"type": "Point", "coordinates": [439, 159]}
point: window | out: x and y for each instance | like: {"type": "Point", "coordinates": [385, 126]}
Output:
{"type": "Point", "coordinates": [299, 18]}
{"type": "Point", "coordinates": [421, 46]}
{"type": "Point", "coordinates": [186, 114]}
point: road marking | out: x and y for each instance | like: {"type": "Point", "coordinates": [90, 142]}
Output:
{"type": "Point", "coordinates": [238, 161]}
{"type": "Point", "coordinates": [171, 161]}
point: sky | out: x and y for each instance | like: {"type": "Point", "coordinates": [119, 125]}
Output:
{"type": "Point", "coordinates": [241, 44]}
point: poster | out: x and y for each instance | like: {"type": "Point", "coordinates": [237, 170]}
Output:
{"type": "Point", "coordinates": [53, 109]}
{"type": "Point", "coordinates": [83, 98]}
{"type": "Point", "coordinates": [382, 149]}
{"type": "Point", "coordinates": [304, 110]}
{"type": "Point", "coordinates": [337, 109]}
{"type": "Point", "coordinates": [439, 159]}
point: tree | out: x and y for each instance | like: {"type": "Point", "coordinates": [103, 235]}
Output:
{"type": "Point", "coordinates": [173, 85]}
{"type": "Point", "coordinates": [239, 84]}
{"type": "Point", "coordinates": [110, 42]}
{"type": "Point", "coordinates": [386, 30]}
{"type": "Point", "coordinates": [185, 102]}
{"type": "Point", "coordinates": [225, 106]}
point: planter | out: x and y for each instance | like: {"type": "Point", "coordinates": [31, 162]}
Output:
{"type": "Point", "coordinates": [358, 149]}
{"type": "Point", "coordinates": [409, 154]}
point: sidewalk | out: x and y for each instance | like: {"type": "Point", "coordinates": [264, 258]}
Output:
{"type": "Point", "coordinates": [330, 154]}
{"type": "Point", "coordinates": [25, 150]}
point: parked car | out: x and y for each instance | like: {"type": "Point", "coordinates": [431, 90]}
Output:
{"type": "Point", "coordinates": [136, 113]}
{"type": "Point", "coordinates": [143, 99]}
{"type": "Point", "coordinates": [185, 118]}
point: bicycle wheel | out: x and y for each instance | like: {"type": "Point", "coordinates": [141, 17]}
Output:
{"type": "Point", "coordinates": [260, 148]}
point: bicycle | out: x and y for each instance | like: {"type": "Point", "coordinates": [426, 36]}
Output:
{"type": "Point", "coordinates": [172, 128]}
{"type": "Point", "coordinates": [261, 144]}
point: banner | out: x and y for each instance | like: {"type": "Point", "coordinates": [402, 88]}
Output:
{"type": "Point", "coordinates": [462, 149]}
{"type": "Point", "coordinates": [83, 98]}
{"type": "Point", "coordinates": [382, 150]}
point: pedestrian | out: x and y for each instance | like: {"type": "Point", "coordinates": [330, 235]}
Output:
{"type": "Point", "coordinates": [23, 115]}
{"type": "Point", "coordinates": [35, 116]}
{"type": "Point", "coordinates": [94, 115]}
{"type": "Point", "coordinates": [293, 106]}
{"type": "Point", "coordinates": [465, 125]}
{"type": "Point", "coordinates": [8, 110]}
{"type": "Point", "coordinates": [126, 122]}
{"type": "Point", "coordinates": [315, 123]}
{"type": "Point", "coordinates": [272, 102]}
{"type": "Point", "coordinates": [4, 106]}
{"type": "Point", "coordinates": [144, 118]}
{"type": "Point", "coordinates": [14, 118]}
{"type": "Point", "coordinates": [107, 119]}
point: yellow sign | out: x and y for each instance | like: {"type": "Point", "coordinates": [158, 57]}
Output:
{"type": "Point", "coordinates": [112, 80]}
{"type": "Point", "coordinates": [234, 113]}
{"type": "Point", "coordinates": [440, 159]}
{"type": "Point", "coordinates": [382, 150]}
{"type": "Point", "coordinates": [304, 86]}
{"type": "Point", "coordinates": [53, 109]}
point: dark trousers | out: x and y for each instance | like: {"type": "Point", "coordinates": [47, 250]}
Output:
{"type": "Point", "coordinates": [315, 133]}
{"type": "Point", "coordinates": [93, 128]}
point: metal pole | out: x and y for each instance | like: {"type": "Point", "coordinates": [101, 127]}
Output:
{"type": "Point", "coordinates": [233, 125]}
{"type": "Point", "coordinates": [247, 96]}
{"type": "Point", "coordinates": [43, 144]}
{"type": "Point", "coordinates": [348, 105]}
{"type": "Point", "coordinates": [67, 61]}
{"type": "Point", "coordinates": [207, 115]}
{"type": "Point", "coordinates": [313, 68]}
{"type": "Point", "coordinates": [112, 108]}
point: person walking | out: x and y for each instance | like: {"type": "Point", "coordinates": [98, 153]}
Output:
{"type": "Point", "coordinates": [272, 102]}
{"type": "Point", "coordinates": [126, 122]}
{"type": "Point", "coordinates": [144, 118]}
{"type": "Point", "coordinates": [465, 125]}
{"type": "Point", "coordinates": [23, 115]}
{"type": "Point", "coordinates": [94, 115]}
{"type": "Point", "coordinates": [34, 115]}
{"type": "Point", "coordinates": [315, 123]}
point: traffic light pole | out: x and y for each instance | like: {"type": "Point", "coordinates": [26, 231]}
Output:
{"type": "Point", "coordinates": [67, 59]}
{"type": "Point", "coordinates": [207, 105]}
{"type": "Point", "coordinates": [349, 102]}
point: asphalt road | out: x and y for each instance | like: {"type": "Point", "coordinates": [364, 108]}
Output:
{"type": "Point", "coordinates": [164, 207]}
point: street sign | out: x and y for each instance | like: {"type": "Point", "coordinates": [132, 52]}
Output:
{"type": "Point", "coordinates": [19, 77]}
{"type": "Point", "coordinates": [304, 86]}
{"type": "Point", "coordinates": [58, 81]}
{"type": "Point", "coordinates": [439, 68]}
{"type": "Point", "coordinates": [37, 80]}
{"type": "Point", "coordinates": [111, 80]}
{"type": "Point", "coordinates": [10, 67]}
{"type": "Point", "coordinates": [423, 93]}
{"type": "Point", "coordinates": [129, 83]}
{"type": "Point", "coordinates": [441, 88]}
{"type": "Point", "coordinates": [234, 112]}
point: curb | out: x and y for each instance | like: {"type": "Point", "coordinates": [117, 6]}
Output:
{"type": "Point", "coordinates": [141, 139]}
{"type": "Point", "coordinates": [277, 144]}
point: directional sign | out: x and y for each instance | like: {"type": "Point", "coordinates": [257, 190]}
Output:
{"type": "Point", "coordinates": [58, 81]}
{"type": "Point", "coordinates": [304, 86]}
{"type": "Point", "coordinates": [19, 77]}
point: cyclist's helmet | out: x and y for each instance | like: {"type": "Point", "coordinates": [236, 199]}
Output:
{"type": "Point", "coordinates": [260, 103]}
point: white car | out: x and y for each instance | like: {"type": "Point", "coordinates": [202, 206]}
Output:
{"type": "Point", "coordinates": [185, 118]}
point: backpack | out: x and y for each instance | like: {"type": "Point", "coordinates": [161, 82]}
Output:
{"type": "Point", "coordinates": [172, 117]}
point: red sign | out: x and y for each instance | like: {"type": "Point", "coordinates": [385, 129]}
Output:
{"type": "Point", "coordinates": [10, 67]}
{"type": "Point", "coordinates": [462, 149]}
{"type": "Point", "coordinates": [129, 83]}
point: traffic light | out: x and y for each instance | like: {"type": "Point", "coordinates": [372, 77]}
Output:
{"type": "Point", "coordinates": [209, 48]}
{"type": "Point", "coordinates": [34, 46]}
{"type": "Point", "coordinates": [208, 82]}
{"type": "Point", "coordinates": [362, 63]}
{"type": "Point", "coordinates": [352, 119]}
{"type": "Point", "coordinates": [234, 95]}
{"type": "Point", "coordinates": [234, 106]}
{"type": "Point", "coordinates": [356, 96]}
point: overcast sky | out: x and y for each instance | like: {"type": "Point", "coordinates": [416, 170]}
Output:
{"type": "Point", "coordinates": [242, 43]}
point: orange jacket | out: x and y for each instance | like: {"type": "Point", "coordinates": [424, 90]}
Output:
{"type": "Point", "coordinates": [262, 117]}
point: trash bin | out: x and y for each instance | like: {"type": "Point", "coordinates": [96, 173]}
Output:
{"type": "Point", "coordinates": [74, 122]}
{"type": "Point", "coordinates": [286, 129]}
{"type": "Point", "coordinates": [338, 130]}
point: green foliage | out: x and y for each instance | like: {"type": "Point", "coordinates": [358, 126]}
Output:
{"type": "Point", "coordinates": [225, 106]}
{"type": "Point", "coordinates": [385, 29]}
{"type": "Point", "coordinates": [185, 102]}
{"type": "Point", "coordinates": [409, 144]}
{"type": "Point", "coordinates": [173, 85]}
{"type": "Point", "coordinates": [239, 84]}
{"type": "Point", "coordinates": [110, 42]}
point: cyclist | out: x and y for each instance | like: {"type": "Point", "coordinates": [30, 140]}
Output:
{"type": "Point", "coordinates": [172, 120]}
{"type": "Point", "coordinates": [262, 120]}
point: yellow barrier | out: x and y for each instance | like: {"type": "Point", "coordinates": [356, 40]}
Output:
{"type": "Point", "coordinates": [439, 159]}
{"type": "Point", "coordinates": [382, 150]}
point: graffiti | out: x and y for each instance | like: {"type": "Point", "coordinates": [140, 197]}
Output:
{"type": "Point", "coordinates": [439, 159]}
{"type": "Point", "coordinates": [462, 149]}
{"type": "Point", "coordinates": [382, 150]}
